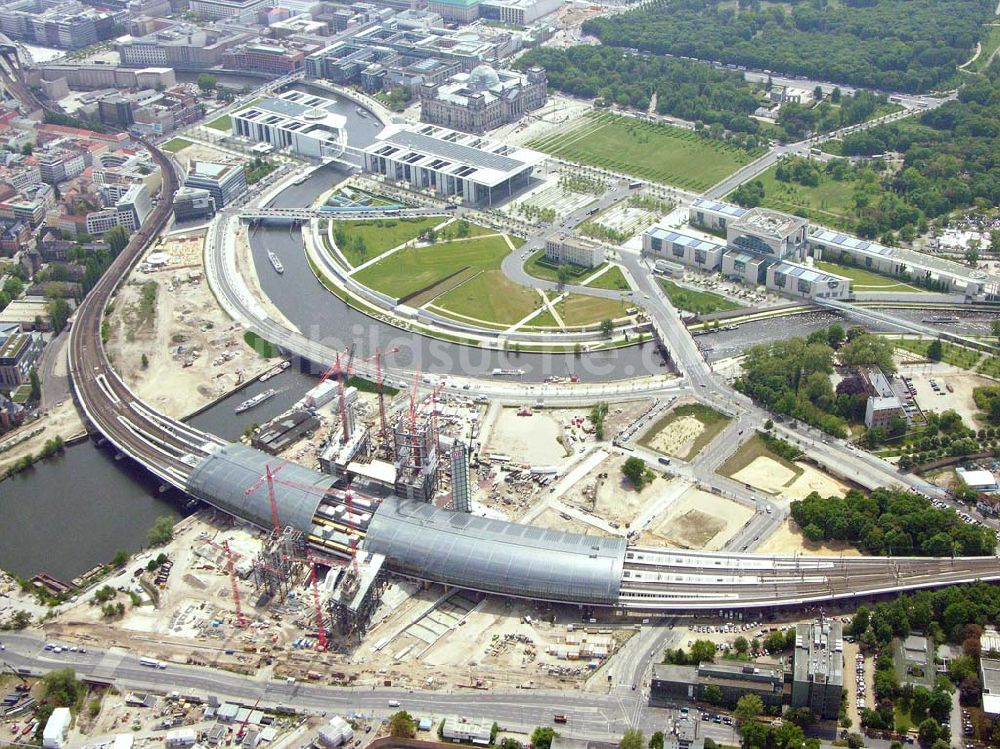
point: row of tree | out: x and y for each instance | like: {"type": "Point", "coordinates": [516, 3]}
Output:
{"type": "Point", "coordinates": [889, 522]}
{"type": "Point", "coordinates": [899, 45]}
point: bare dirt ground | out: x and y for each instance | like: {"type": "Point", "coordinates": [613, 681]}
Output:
{"type": "Point", "coordinates": [770, 476]}
{"type": "Point", "coordinates": [697, 520]}
{"type": "Point", "coordinates": [962, 384]}
{"type": "Point", "coordinates": [558, 521]}
{"type": "Point", "coordinates": [813, 480]}
{"type": "Point", "coordinates": [60, 421]}
{"type": "Point", "coordinates": [766, 474]}
{"type": "Point", "coordinates": [677, 437]}
{"type": "Point", "coordinates": [788, 539]}
{"type": "Point", "coordinates": [194, 352]}
{"type": "Point", "coordinates": [606, 493]}
{"type": "Point", "coordinates": [527, 439]}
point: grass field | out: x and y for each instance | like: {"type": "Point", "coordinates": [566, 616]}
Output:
{"type": "Point", "coordinates": [408, 271]}
{"type": "Point", "coordinates": [654, 151]}
{"type": "Point", "coordinates": [543, 320]}
{"type": "Point", "coordinates": [957, 356]}
{"type": "Point", "coordinates": [491, 296]}
{"type": "Point", "coordinates": [990, 44]}
{"type": "Point", "coordinates": [865, 280]}
{"type": "Point", "coordinates": [713, 421]}
{"type": "Point", "coordinates": [537, 266]}
{"type": "Point", "coordinates": [829, 203]}
{"type": "Point", "coordinates": [579, 309]}
{"type": "Point", "coordinates": [175, 145]}
{"type": "Point", "coordinates": [224, 123]}
{"type": "Point", "coordinates": [990, 367]}
{"type": "Point", "coordinates": [370, 238]}
{"type": "Point", "coordinates": [613, 279]}
{"type": "Point", "coordinates": [698, 302]}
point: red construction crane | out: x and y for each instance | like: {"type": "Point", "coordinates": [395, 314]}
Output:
{"type": "Point", "coordinates": [268, 478]}
{"type": "Point", "coordinates": [231, 556]}
{"type": "Point", "coordinates": [243, 727]}
{"type": "Point", "coordinates": [343, 402]}
{"type": "Point", "coordinates": [314, 582]}
{"type": "Point", "coordinates": [383, 430]}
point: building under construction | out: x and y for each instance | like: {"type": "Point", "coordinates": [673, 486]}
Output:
{"type": "Point", "coordinates": [356, 593]}
{"type": "Point", "coordinates": [416, 459]}
{"type": "Point", "coordinates": [275, 568]}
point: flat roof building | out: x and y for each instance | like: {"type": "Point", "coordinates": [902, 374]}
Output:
{"type": "Point", "coordinates": [56, 730]}
{"type": "Point", "coordinates": [672, 684]}
{"type": "Point", "coordinates": [924, 269]}
{"type": "Point", "coordinates": [713, 214]}
{"type": "Point", "coordinates": [989, 671]}
{"type": "Point", "coordinates": [191, 203]}
{"type": "Point", "coordinates": [224, 182]}
{"type": "Point", "coordinates": [913, 658]}
{"type": "Point", "coordinates": [818, 667]}
{"type": "Point", "coordinates": [517, 12]}
{"type": "Point", "coordinates": [770, 233]}
{"type": "Point", "coordinates": [683, 248]}
{"type": "Point", "coordinates": [452, 164]}
{"type": "Point", "coordinates": [305, 124]}
{"type": "Point", "coordinates": [562, 248]}
{"type": "Point", "coordinates": [805, 282]}
{"type": "Point", "coordinates": [980, 480]}
{"type": "Point", "coordinates": [476, 732]}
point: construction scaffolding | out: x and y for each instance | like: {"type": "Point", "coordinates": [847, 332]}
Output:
{"type": "Point", "coordinates": [275, 569]}
{"type": "Point", "coordinates": [461, 488]}
{"type": "Point", "coordinates": [356, 593]}
{"type": "Point", "coordinates": [416, 459]}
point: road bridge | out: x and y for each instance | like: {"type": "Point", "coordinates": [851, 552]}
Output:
{"type": "Point", "coordinates": [874, 314]}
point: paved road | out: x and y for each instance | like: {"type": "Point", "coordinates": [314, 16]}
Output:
{"type": "Point", "coordinates": [55, 388]}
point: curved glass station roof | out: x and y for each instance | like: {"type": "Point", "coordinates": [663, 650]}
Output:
{"type": "Point", "coordinates": [496, 556]}
{"type": "Point", "coordinates": [222, 479]}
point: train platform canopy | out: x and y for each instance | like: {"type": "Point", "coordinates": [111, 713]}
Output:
{"type": "Point", "coordinates": [222, 479]}
{"type": "Point", "coordinates": [496, 556]}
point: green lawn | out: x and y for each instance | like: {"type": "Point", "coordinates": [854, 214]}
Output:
{"type": "Point", "coordinates": [175, 145]}
{"type": "Point", "coordinates": [491, 297]}
{"type": "Point", "coordinates": [613, 279]}
{"type": "Point", "coordinates": [654, 151]}
{"type": "Point", "coordinates": [361, 241]}
{"type": "Point", "coordinates": [865, 280]}
{"type": "Point", "coordinates": [698, 302]}
{"type": "Point", "coordinates": [712, 421]}
{"type": "Point", "coordinates": [579, 309]}
{"type": "Point", "coordinates": [990, 367]}
{"type": "Point", "coordinates": [539, 267]}
{"type": "Point", "coordinates": [830, 202]}
{"type": "Point", "coordinates": [411, 270]}
{"type": "Point", "coordinates": [990, 43]}
{"type": "Point", "coordinates": [957, 356]}
{"type": "Point", "coordinates": [543, 320]}
{"type": "Point", "coordinates": [224, 123]}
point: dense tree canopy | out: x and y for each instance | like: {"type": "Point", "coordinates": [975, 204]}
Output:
{"type": "Point", "coordinates": [793, 377]}
{"type": "Point", "coordinates": [901, 45]}
{"type": "Point", "coordinates": [688, 90]}
{"type": "Point", "coordinates": [888, 522]}
{"type": "Point", "coordinates": [951, 157]}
